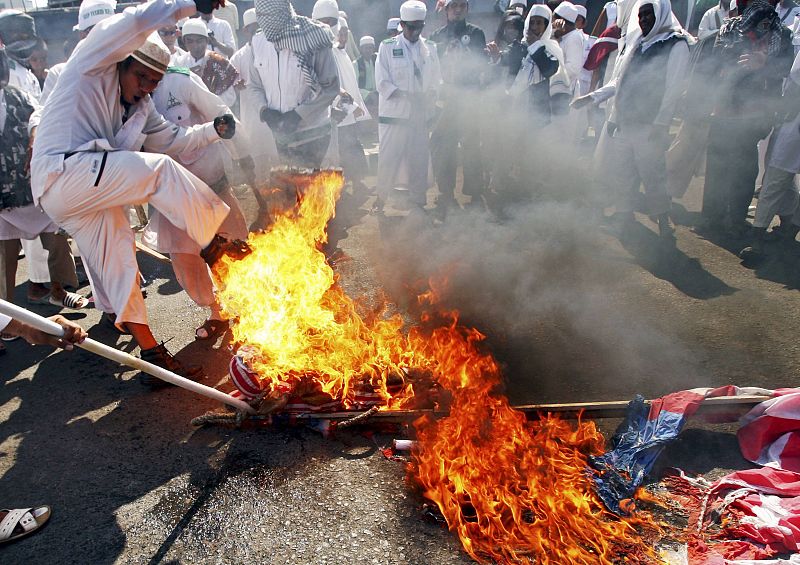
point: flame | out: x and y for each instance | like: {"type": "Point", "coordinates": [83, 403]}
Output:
{"type": "Point", "coordinates": [511, 491]}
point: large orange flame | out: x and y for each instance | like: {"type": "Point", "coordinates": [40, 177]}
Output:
{"type": "Point", "coordinates": [511, 491]}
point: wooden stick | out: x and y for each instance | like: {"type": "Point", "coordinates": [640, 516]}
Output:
{"type": "Point", "coordinates": [152, 253]}
{"type": "Point", "coordinates": [50, 327]}
{"type": "Point", "coordinates": [611, 409]}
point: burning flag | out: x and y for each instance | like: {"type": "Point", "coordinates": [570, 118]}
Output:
{"type": "Point", "coordinates": [511, 491]}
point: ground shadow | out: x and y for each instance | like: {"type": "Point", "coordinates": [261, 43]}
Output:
{"type": "Point", "coordinates": [661, 258]}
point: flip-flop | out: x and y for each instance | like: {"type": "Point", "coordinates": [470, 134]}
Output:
{"type": "Point", "coordinates": [8, 337]}
{"type": "Point", "coordinates": [21, 522]}
{"type": "Point", "coordinates": [71, 300]}
{"type": "Point", "coordinates": [213, 329]}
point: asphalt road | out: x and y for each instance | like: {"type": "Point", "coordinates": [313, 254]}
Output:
{"type": "Point", "coordinates": [572, 312]}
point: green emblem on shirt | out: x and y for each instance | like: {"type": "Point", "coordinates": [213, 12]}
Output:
{"type": "Point", "coordinates": [397, 52]}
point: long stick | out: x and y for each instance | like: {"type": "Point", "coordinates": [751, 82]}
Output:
{"type": "Point", "coordinates": [612, 409]}
{"type": "Point", "coordinates": [152, 252]}
{"type": "Point", "coordinates": [50, 327]}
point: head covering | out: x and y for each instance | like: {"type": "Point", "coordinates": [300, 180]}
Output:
{"type": "Point", "coordinates": [581, 10]}
{"type": "Point", "coordinates": [153, 53]}
{"type": "Point", "coordinates": [195, 26]}
{"type": "Point", "coordinates": [12, 22]}
{"type": "Point", "coordinates": [343, 23]}
{"type": "Point", "coordinates": [93, 12]}
{"type": "Point", "coordinates": [249, 17]}
{"type": "Point", "coordinates": [4, 68]}
{"type": "Point", "coordinates": [666, 25]}
{"type": "Point", "coordinates": [282, 26]}
{"type": "Point", "coordinates": [393, 24]}
{"type": "Point", "coordinates": [413, 11]}
{"type": "Point", "coordinates": [325, 9]}
{"type": "Point", "coordinates": [342, 14]}
{"type": "Point", "coordinates": [366, 40]}
{"type": "Point", "coordinates": [543, 11]}
{"type": "Point", "coordinates": [744, 26]}
{"type": "Point", "coordinates": [567, 11]}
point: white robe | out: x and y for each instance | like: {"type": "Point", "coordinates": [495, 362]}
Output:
{"type": "Point", "coordinates": [87, 168]}
{"type": "Point", "coordinates": [404, 154]}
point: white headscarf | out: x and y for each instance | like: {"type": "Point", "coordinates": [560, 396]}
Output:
{"type": "Point", "coordinates": [528, 73]}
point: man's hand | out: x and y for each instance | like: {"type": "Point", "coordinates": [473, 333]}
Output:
{"type": "Point", "coordinates": [225, 126]}
{"type": "Point", "coordinates": [581, 101]}
{"type": "Point", "coordinates": [73, 333]}
{"type": "Point", "coordinates": [493, 50]}
{"type": "Point", "coordinates": [208, 6]}
{"type": "Point", "coordinates": [289, 121]}
{"type": "Point", "coordinates": [558, 28]}
{"type": "Point", "coordinates": [753, 61]}
{"type": "Point", "coordinates": [271, 117]}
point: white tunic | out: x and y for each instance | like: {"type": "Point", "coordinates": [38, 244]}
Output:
{"type": "Point", "coordinates": [785, 142]}
{"type": "Point", "coordinates": [222, 32]}
{"type": "Point", "coordinates": [349, 83]}
{"type": "Point", "coordinates": [711, 22]}
{"type": "Point", "coordinates": [23, 79]}
{"type": "Point", "coordinates": [4, 321]}
{"type": "Point", "coordinates": [572, 46]}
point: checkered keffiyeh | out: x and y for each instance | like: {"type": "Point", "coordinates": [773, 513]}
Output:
{"type": "Point", "coordinates": [301, 35]}
{"type": "Point", "coordinates": [735, 30]}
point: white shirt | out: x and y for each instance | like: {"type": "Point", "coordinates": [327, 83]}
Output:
{"type": "Point", "coordinates": [222, 32]}
{"type": "Point", "coordinates": [23, 79]}
{"type": "Point", "coordinates": [185, 100]}
{"type": "Point", "coordinates": [175, 56]}
{"type": "Point", "coordinates": [84, 113]}
{"type": "Point", "coordinates": [4, 321]}
{"type": "Point", "coordinates": [395, 68]}
{"type": "Point", "coordinates": [239, 60]}
{"type": "Point", "coordinates": [711, 22]}
{"type": "Point", "coordinates": [229, 13]}
{"type": "Point", "coordinates": [785, 143]}
{"type": "Point", "coordinates": [50, 81]}
{"type": "Point", "coordinates": [572, 45]}
{"type": "Point", "coordinates": [349, 83]}
{"type": "Point", "coordinates": [787, 15]}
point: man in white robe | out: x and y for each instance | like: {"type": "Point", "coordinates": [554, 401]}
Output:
{"type": "Point", "coordinates": [220, 35]}
{"type": "Point", "coordinates": [215, 70]}
{"type": "Point", "coordinates": [183, 99]}
{"type": "Point", "coordinates": [712, 19]}
{"type": "Point", "coordinates": [408, 79]}
{"type": "Point", "coordinates": [87, 165]}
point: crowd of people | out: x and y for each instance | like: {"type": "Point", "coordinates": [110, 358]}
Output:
{"type": "Point", "coordinates": [161, 102]}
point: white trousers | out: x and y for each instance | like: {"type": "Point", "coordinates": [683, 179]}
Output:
{"type": "Point", "coordinates": [38, 271]}
{"type": "Point", "coordinates": [404, 158]}
{"type": "Point", "coordinates": [778, 197]}
{"type": "Point", "coordinates": [88, 200]}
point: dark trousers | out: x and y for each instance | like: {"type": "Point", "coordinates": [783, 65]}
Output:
{"type": "Point", "coordinates": [351, 154]}
{"type": "Point", "coordinates": [309, 154]}
{"type": "Point", "coordinates": [731, 169]}
{"type": "Point", "coordinates": [457, 127]}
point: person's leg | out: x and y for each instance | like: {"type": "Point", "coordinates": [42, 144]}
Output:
{"type": "Point", "coordinates": [392, 158]}
{"type": "Point", "coordinates": [444, 155]}
{"type": "Point", "coordinates": [9, 257]}
{"type": "Point", "coordinates": [743, 182]}
{"type": "Point", "coordinates": [778, 197]}
{"type": "Point", "coordinates": [419, 154]}
{"type": "Point", "coordinates": [127, 177]}
{"type": "Point", "coordinates": [60, 263]}
{"type": "Point", "coordinates": [718, 165]}
{"type": "Point", "coordinates": [472, 160]}
{"type": "Point", "coordinates": [354, 163]}
{"type": "Point", "coordinates": [650, 160]}
{"type": "Point", "coordinates": [38, 273]}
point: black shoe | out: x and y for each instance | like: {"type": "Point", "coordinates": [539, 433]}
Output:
{"type": "Point", "coordinates": [219, 247]}
{"type": "Point", "coordinates": [159, 355]}
{"type": "Point", "coordinates": [665, 229]}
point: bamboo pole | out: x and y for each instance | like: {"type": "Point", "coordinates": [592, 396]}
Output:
{"type": "Point", "coordinates": [50, 327]}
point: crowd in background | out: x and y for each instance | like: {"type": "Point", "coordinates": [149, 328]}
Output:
{"type": "Point", "coordinates": [653, 95]}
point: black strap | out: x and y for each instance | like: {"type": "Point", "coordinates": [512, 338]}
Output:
{"type": "Point", "coordinates": [102, 168]}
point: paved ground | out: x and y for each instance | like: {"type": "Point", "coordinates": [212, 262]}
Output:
{"type": "Point", "coordinates": [572, 312]}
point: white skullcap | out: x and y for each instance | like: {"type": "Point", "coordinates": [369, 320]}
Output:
{"type": "Point", "coordinates": [249, 17]}
{"type": "Point", "coordinates": [393, 24]}
{"type": "Point", "coordinates": [413, 11]}
{"type": "Point", "coordinates": [581, 10]}
{"type": "Point", "coordinates": [194, 26]}
{"type": "Point", "coordinates": [567, 11]}
{"type": "Point", "coordinates": [153, 53]}
{"type": "Point", "coordinates": [343, 23]}
{"type": "Point", "coordinates": [93, 12]}
{"type": "Point", "coordinates": [342, 14]}
{"type": "Point", "coordinates": [325, 9]}
{"type": "Point", "coordinates": [366, 40]}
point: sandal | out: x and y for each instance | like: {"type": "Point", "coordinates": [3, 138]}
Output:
{"type": "Point", "coordinates": [212, 328]}
{"type": "Point", "coordinates": [8, 337]}
{"type": "Point", "coordinates": [71, 300]}
{"type": "Point", "coordinates": [21, 522]}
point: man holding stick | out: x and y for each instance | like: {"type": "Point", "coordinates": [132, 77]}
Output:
{"type": "Point", "coordinates": [88, 163]}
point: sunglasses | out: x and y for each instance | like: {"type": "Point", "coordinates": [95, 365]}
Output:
{"type": "Point", "coordinates": [413, 26]}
